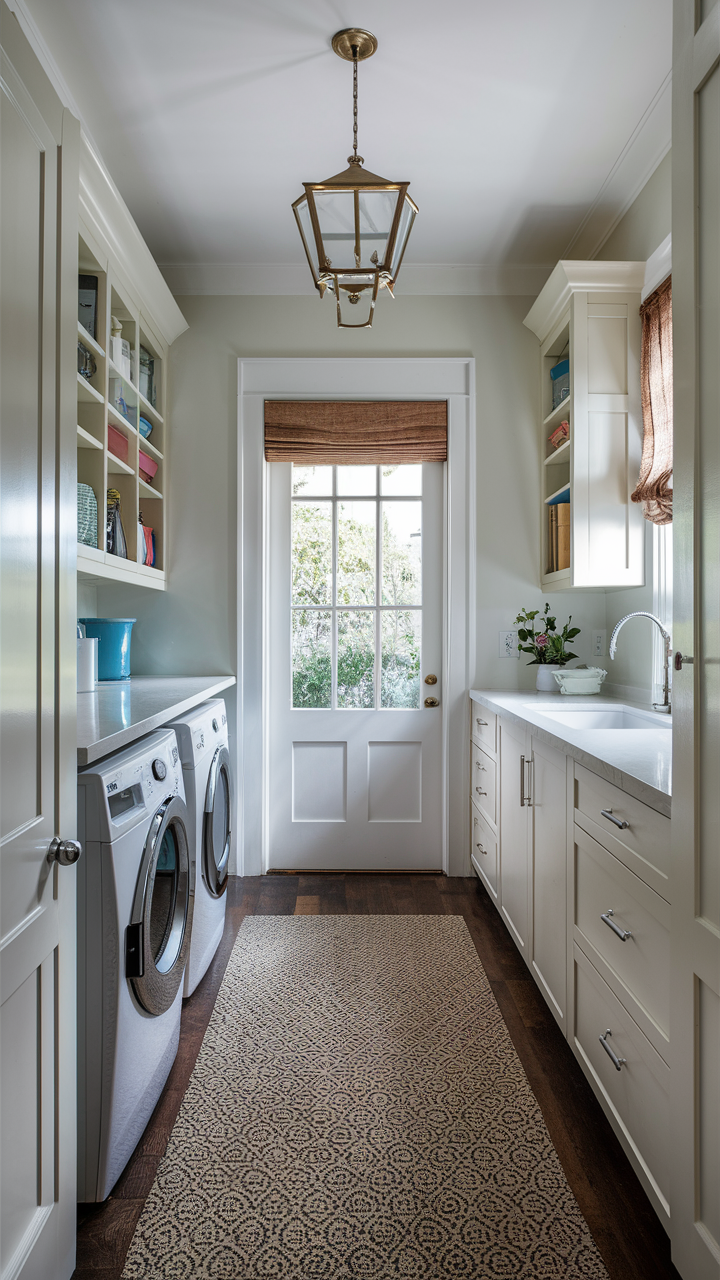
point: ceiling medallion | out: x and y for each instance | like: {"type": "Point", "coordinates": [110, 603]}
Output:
{"type": "Point", "coordinates": [355, 226]}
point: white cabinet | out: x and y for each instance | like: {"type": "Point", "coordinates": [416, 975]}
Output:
{"type": "Point", "coordinates": [513, 824]}
{"type": "Point", "coordinates": [587, 313]}
{"type": "Point", "coordinates": [548, 874]}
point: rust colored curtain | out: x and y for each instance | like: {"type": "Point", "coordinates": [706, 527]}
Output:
{"type": "Point", "coordinates": [350, 432]}
{"type": "Point", "coordinates": [654, 489]}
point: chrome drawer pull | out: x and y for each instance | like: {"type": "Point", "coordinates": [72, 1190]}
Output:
{"type": "Point", "coordinates": [481, 767]}
{"type": "Point", "coordinates": [479, 846]}
{"type": "Point", "coordinates": [481, 722]}
{"type": "Point", "coordinates": [480, 791]}
{"type": "Point", "coordinates": [623, 934]}
{"type": "Point", "coordinates": [618, 1063]}
{"type": "Point", "coordinates": [619, 822]}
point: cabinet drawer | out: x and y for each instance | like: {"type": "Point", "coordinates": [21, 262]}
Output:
{"type": "Point", "coordinates": [482, 782]}
{"type": "Point", "coordinates": [636, 1096]}
{"type": "Point", "coordinates": [483, 850]}
{"type": "Point", "coordinates": [638, 969]}
{"type": "Point", "coordinates": [643, 845]}
{"type": "Point", "coordinates": [484, 726]}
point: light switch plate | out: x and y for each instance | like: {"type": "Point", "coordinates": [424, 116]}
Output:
{"type": "Point", "coordinates": [507, 644]}
{"type": "Point", "coordinates": [599, 639]}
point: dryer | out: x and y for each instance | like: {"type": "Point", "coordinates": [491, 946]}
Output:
{"type": "Point", "coordinates": [135, 906]}
{"type": "Point", "coordinates": [203, 741]}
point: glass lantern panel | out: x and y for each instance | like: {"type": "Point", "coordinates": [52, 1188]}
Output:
{"type": "Point", "coordinates": [403, 232]}
{"type": "Point", "coordinates": [356, 306]}
{"type": "Point", "coordinates": [337, 226]}
{"type": "Point", "coordinates": [377, 210]}
{"type": "Point", "coordinates": [302, 211]}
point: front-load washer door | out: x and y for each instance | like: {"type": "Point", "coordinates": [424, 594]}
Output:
{"type": "Point", "coordinates": [217, 824]}
{"type": "Point", "coordinates": [158, 936]}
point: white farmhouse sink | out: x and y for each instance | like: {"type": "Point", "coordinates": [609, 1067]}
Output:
{"type": "Point", "coordinates": [619, 717]}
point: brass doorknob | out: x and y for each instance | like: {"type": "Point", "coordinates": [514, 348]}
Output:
{"type": "Point", "coordinates": [431, 679]}
{"type": "Point", "coordinates": [64, 852]}
{"type": "Point", "coordinates": [432, 702]}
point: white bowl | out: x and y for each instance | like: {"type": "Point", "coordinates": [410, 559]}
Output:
{"type": "Point", "coordinates": [579, 680]}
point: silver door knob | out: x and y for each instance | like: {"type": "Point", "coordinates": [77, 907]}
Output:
{"type": "Point", "coordinates": [64, 852]}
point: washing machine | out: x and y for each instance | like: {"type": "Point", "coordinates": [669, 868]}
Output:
{"type": "Point", "coordinates": [135, 904]}
{"type": "Point", "coordinates": [203, 741]}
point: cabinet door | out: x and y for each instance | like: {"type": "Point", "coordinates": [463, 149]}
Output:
{"type": "Point", "coordinates": [695, 865]}
{"type": "Point", "coordinates": [548, 870]}
{"type": "Point", "coordinates": [514, 770]}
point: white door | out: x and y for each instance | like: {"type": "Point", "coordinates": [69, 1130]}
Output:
{"type": "Point", "coordinates": [38, 333]}
{"type": "Point", "coordinates": [695, 866]}
{"type": "Point", "coordinates": [354, 592]}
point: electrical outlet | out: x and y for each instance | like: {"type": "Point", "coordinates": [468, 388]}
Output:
{"type": "Point", "coordinates": [598, 644]}
{"type": "Point", "coordinates": [507, 644]}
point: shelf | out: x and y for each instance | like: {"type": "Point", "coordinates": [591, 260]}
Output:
{"type": "Point", "coordinates": [94, 554]}
{"type": "Point", "coordinates": [116, 416]}
{"type": "Point", "coordinates": [149, 447]}
{"type": "Point", "coordinates": [88, 393]}
{"type": "Point", "coordinates": [94, 565]}
{"type": "Point", "coordinates": [556, 578]}
{"type": "Point", "coordinates": [117, 467]}
{"type": "Point", "coordinates": [119, 374]}
{"type": "Point", "coordinates": [558, 453]}
{"type": "Point", "coordinates": [89, 341]}
{"type": "Point", "coordinates": [147, 489]}
{"type": "Point", "coordinates": [563, 406]}
{"type": "Point", "coordinates": [145, 404]}
{"type": "Point", "coordinates": [86, 441]}
{"type": "Point", "coordinates": [554, 497]}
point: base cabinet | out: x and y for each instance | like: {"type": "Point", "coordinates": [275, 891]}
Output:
{"type": "Point", "coordinates": [586, 902]}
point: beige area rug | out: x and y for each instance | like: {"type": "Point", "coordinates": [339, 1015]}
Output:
{"type": "Point", "coordinates": [357, 1109]}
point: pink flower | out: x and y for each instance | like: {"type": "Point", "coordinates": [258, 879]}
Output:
{"type": "Point", "coordinates": [541, 641]}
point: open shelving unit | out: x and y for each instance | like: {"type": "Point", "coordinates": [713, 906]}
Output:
{"type": "Point", "coordinates": [112, 396]}
{"type": "Point", "coordinates": [587, 313]}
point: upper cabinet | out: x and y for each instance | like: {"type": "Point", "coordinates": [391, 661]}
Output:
{"type": "Point", "coordinates": [587, 321]}
{"type": "Point", "coordinates": [127, 319]}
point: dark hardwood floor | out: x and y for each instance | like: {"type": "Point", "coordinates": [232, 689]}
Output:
{"type": "Point", "coordinates": [626, 1229]}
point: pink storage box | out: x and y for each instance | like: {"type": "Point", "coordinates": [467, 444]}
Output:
{"type": "Point", "coordinates": [147, 467]}
{"type": "Point", "coordinates": [117, 443]}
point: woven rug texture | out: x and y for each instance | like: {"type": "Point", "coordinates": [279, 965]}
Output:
{"type": "Point", "coordinates": [358, 1109]}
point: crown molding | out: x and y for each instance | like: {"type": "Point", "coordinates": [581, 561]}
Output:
{"type": "Point", "coordinates": [648, 144]}
{"type": "Point", "coordinates": [571, 277]}
{"type": "Point", "coordinates": [293, 279]}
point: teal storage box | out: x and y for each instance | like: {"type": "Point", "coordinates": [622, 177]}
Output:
{"type": "Point", "coordinates": [114, 647]}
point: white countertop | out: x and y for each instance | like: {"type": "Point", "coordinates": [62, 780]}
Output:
{"type": "Point", "coordinates": [638, 761]}
{"type": "Point", "coordinates": [121, 711]}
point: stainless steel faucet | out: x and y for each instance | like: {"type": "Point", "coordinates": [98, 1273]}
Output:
{"type": "Point", "coordinates": [665, 704]}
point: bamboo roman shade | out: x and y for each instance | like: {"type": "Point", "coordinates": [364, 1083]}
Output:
{"type": "Point", "coordinates": [351, 432]}
{"type": "Point", "coordinates": [654, 489]}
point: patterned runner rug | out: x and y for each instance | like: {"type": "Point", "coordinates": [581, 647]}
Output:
{"type": "Point", "coordinates": [358, 1110]}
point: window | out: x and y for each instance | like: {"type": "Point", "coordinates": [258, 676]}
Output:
{"type": "Point", "coordinates": [356, 577]}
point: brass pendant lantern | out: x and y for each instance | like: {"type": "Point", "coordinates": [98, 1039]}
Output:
{"type": "Point", "coordinates": [355, 226]}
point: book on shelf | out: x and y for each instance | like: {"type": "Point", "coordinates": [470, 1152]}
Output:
{"type": "Point", "coordinates": [563, 535]}
{"type": "Point", "coordinates": [552, 538]}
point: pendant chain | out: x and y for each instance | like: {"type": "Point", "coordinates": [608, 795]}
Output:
{"type": "Point", "coordinates": [355, 100]}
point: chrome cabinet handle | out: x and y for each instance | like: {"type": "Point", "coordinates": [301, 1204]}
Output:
{"type": "Point", "coordinates": [619, 822]}
{"type": "Point", "coordinates": [522, 782]}
{"type": "Point", "coordinates": [479, 846]}
{"type": "Point", "coordinates": [480, 791]}
{"type": "Point", "coordinates": [64, 852]}
{"type": "Point", "coordinates": [481, 722]}
{"type": "Point", "coordinates": [623, 934]}
{"type": "Point", "coordinates": [618, 1063]}
{"type": "Point", "coordinates": [480, 766]}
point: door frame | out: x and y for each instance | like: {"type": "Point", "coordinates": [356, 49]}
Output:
{"type": "Point", "coordinates": [443, 378]}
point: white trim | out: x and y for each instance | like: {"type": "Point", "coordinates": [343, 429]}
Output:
{"type": "Point", "coordinates": [658, 267]}
{"type": "Point", "coordinates": [577, 276]}
{"type": "Point", "coordinates": [292, 279]}
{"type": "Point", "coordinates": [646, 147]}
{"type": "Point", "coordinates": [451, 379]}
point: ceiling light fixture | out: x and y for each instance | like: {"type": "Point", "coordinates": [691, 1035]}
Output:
{"type": "Point", "coordinates": [355, 226]}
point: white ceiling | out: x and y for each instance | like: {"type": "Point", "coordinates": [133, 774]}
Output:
{"type": "Point", "coordinates": [524, 128]}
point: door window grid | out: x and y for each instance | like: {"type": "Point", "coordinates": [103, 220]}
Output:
{"type": "Point", "coordinates": [335, 674]}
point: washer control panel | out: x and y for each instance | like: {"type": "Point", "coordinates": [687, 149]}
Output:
{"type": "Point", "coordinates": [133, 783]}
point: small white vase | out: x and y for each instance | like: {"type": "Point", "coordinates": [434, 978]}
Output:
{"type": "Point", "coordinates": [545, 681]}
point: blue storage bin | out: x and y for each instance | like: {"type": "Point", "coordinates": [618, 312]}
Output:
{"type": "Point", "coordinates": [114, 646]}
{"type": "Point", "coordinates": [560, 375]}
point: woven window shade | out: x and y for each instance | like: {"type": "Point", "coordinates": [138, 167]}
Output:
{"type": "Point", "coordinates": [351, 432]}
{"type": "Point", "coordinates": [656, 378]}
